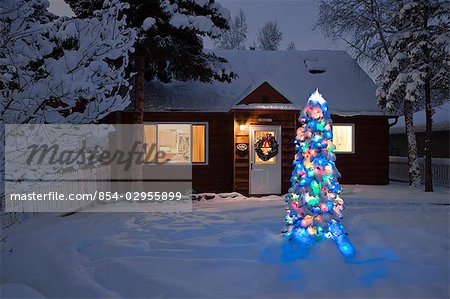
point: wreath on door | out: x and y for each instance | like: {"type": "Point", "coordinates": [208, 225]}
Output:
{"type": "Point", "coordinates": [266, 141]}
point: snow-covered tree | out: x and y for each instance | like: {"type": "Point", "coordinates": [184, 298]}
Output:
{"type": "Point", "coordinates": [236, 37]}
{"type": "Point", "coordinates": [169, 45]}
{"type": "Point", "coordinates": [364, 25]}
{"type": "Point", "coordinates": [367, 27]}
{"type": "Point", "coordinates": [291, 46]}
{"type": "Point", "coordinates": [418, 74]}
{"type": "Point", "coordinates": [62, 70]}
{"type": "Point", "coordinates": [269, 37]}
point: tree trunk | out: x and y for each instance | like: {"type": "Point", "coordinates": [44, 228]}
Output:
{"type": "Point", "coordinates": [139, 88]}
{"type": "Point", "coordinates": [138, 129]}
{"type": "Point", "coordinates": [413, 160]}
{"type": "Point", "coordinates": [428, 109]}
{"type": "Point", "coordinates": [428, 136]}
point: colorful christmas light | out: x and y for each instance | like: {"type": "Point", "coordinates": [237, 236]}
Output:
{"type": "Point", "coordinates": [314, 205]}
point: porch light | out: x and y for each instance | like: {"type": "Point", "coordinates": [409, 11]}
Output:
{"type": "Point", "coordinates": [242, 127]}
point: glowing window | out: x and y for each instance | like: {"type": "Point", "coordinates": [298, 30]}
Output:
{"type": "Point", "coordinates": [182, 143]}
{"type": "Point", "coordinates": [344, 138]}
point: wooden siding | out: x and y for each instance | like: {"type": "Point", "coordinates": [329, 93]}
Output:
{"type": "Point", "coordinates": [217, 175]}
{"type": "Point", "coordinates": [263, 94]}
{"type": "Point", "coordinates": [370, 162]}
{"type": "Point", "coordinates": [227, 170]}
{"type": "Point", "coordinates": [287, 121]}
{"type": "Point", "coordinates": [368, 165]}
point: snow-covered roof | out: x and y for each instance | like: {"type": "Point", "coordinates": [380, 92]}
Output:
{"type": "Point", "coordinates": [441, 120]}
{"type": "Point", "coordinates": [295, 74]}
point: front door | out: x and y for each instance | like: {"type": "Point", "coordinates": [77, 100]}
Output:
{"type": "Point", "coordinates": [265, 160]}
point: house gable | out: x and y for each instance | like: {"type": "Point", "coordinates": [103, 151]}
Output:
{"type": "Point", "coordinates": [264, 94]}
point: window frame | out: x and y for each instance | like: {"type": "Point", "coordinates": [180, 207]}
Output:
{"type": "Point", "coordinates": [353, 137]}
{"type": "Point", "coordinates": [206, 124]}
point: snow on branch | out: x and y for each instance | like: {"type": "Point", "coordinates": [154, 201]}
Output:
{"type": "Point", "coordinates": [62, 70]}
{"type": "Point", "coordinates": [204, 25]}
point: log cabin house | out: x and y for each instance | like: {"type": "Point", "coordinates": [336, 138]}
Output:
{"type": "Point", "coordinates": [214, 126]}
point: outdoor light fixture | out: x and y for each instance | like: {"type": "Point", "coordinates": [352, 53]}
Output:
{"type": "Point", "coordinates": [242, 127]}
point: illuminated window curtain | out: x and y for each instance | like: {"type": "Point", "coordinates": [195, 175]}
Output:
{"type": "Point", "coordinates": [150, 140]}
{"type": "Point", "coordinates": [175, 140]}
{"type": "Point", "coordinates": [343, 138]}
{"type": "Point", "coordinates": [198, 144]}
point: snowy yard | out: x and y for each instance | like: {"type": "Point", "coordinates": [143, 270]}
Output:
{"type": "Point", "coordinates": [232, 248]}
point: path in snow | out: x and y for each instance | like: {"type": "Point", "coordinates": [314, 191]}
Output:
{"type": "Point", "coordinates": [233, 248]}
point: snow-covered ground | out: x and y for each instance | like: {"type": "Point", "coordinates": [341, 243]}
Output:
{"type": "Point", "coordinates": [231, 247]}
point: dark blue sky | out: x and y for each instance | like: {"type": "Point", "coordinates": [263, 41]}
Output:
{"type": "Point", "coordinates": [294, 17]}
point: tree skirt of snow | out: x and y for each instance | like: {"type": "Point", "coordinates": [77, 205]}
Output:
{"type": "Point", "coordinates": [232, 247]}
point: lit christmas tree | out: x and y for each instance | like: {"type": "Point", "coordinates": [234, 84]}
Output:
{"type": "Point", "coordinates": [314, 205]}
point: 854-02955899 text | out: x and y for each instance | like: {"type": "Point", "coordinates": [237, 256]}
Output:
{"type": "Point", "coordinates": [140, 196]}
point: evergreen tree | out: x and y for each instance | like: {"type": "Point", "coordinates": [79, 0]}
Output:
{"type": "Point", "coordinates": [269, 37]}
{"type": "Point", "coordinates": [419, 72]}
{"type": "Point", "coordinates": [169, 45]}
{"type": "Point", "coordinates": [236, 36]}
{"type": "Point", "coordinates": [314, 205]}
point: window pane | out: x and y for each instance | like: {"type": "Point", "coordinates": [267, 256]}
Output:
{"type": "Point", "coordinates": [150, 141]}
{"type": "Point", "coordinates": [343, 138]}
{"type": "Point", "coordinates": [198, 143]}
{"type": "Point", "coordinates": [175, 140]}
{"type": "Point", "coordinates": [265, 146]}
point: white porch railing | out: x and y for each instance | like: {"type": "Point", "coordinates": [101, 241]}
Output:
{"type": "Point", "coordinates": [398, 170]}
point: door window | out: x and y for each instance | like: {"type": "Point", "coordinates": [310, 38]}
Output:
{"type": "Point", "coordinates": [263, 136]}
